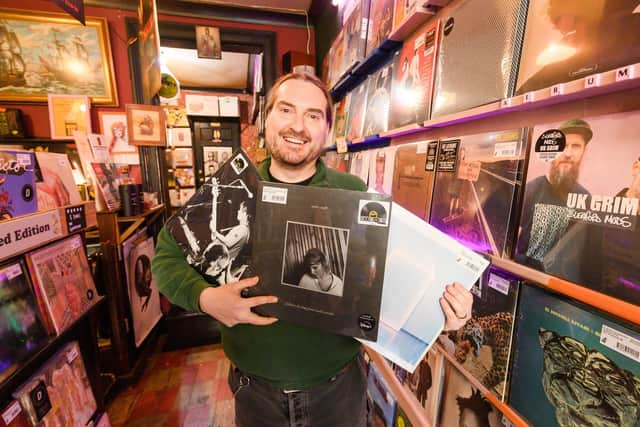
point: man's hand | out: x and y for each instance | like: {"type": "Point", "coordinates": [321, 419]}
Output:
{"type": "Point", "coordinates": [227, 306]}
{"type": "Point", "coordinates": [456, 302]}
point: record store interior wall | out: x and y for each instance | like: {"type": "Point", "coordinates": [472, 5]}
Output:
{"type": "Point", "coordinates": [36, 116]}
{"type": "Point", "coordinates": [604, 104]}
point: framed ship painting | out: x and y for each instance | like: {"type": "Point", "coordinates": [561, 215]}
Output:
{"type": "Point", "coordinates": [54, 53]}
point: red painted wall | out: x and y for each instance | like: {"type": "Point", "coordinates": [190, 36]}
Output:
{"type": "Point", "coordinates": [36, 115]}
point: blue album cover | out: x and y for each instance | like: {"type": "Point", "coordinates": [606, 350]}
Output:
{"type": "Point", "coordinates": [381, 402]}
{"type": "Point", "coordinates": [573, 366]}
{"type": "Point", "coordinates": [17, 184]}
{"type": "Point", "coordinates": [421, 262]}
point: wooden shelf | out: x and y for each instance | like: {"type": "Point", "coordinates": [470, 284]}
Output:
{"type": "Point", "coordinates": [23, 233]}
{"type": "Point", "coordinates": [31, 365]}
{"type": "Point", "coordinates": [605, 303]}
{"type": "Point", "coordinates": [406, 400]}
{"type": "Point", "coordinates": [507, 410]}
{"type": "Point", "coordinates": [109, 223]}
{"type": "Point", "coordinates": [415, 20]}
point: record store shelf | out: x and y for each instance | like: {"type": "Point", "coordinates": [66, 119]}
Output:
{"type": "Point", "coordinates": [622, 79]}
{"type": "Point", "coordinates": [505, 409]}
{"type": "Point", "coordinates": [21, 234]}
{"type": "Point", "coordinates": [618, 308]}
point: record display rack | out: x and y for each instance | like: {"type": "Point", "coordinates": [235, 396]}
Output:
{"type": "Point", "coordinates": [127, 361]}
{"type": "Point", "coordinates": [621, 79]}
{"type": "Point", "coordinates": [83, 330]}
{"type": "Point", "coordinates": [615, 307]}
{"type": "Point", "coordinates": [60, 223]}
{"type": "Point", "coordinates": [503, 407]}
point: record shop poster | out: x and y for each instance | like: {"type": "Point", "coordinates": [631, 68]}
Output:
{"type": "Point", "coordinates": [322, 252]}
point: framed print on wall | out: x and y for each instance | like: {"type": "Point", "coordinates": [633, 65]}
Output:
{"type": "Point", "coordinates": [51, 52]}
{"type": "Point", "coordinates": [146, 125]}
{"type": "Point", "coordinates": [114, 126]}
{"type": "Point", "coordinates": [67, 114]}
{"type": "Point", "coordinates": [208, 42]}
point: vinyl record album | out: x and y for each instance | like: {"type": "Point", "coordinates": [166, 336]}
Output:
{"type": "Point", "coordinates": [22, 332]}
{"type": "Point", "coordinates": [426, 383]}
{"type": "Point", "coordinates": [378, 101]}
{"type": "Point", "coordinates": [213, 228]}
{"type": "Point", "coordinates": [413, 77]}
{"type": "Point", "coordinates": [462, 404]}
{"type": "Point", "coordinates": [381, 402]}
{"type": "Point", "coordinates": [62, 281]}
{"type": "Point", "coordinates": [357, 112]}
{"type": "Point", "coordinates": [57, 187]}
{"type": "Point", "coordinates": [380, 23]}
{"type": "Point", "coordinates": [569, 39]}
{"type": "Point", "coordinates": [573, 366]}
{"type": "Point", "coordinates": [483, 345]}
{"type": "Point", "coordinates": [355, 35]}
{"type": "Point", "coordinates": [478, 56]}
{"type": "Point", "coordinates": [580, 209]}
{"type": "Point", "coordinates": [477, 191]}
{"type": "Point", "coordinates": [381, 163]}
{"type": "Point", "coordinates": [59, 393]}
{"type": "Point", "coordinates": [17, 184]}
{"type": "Point", "coordinates": [413, 176]}
{"type": "Point", "coordinates": [322, 252]}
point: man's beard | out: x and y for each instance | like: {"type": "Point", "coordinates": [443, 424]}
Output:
{"type": "Point", "coordinates": [292, 160]}
{"type": "Point", "coordinates": [563, 181]}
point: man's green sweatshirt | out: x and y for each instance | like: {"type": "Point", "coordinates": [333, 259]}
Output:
{"type": "Point", "coordinates": [290, 357]}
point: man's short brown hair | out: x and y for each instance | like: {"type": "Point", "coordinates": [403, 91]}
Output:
{"type": "Point", "coordinates": [271, 96]}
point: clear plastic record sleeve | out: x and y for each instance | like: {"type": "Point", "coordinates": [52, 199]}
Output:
{"type": "Point", "coordinates": [321, 252]}
{"type": "Point", "coordinates": [421, 262]}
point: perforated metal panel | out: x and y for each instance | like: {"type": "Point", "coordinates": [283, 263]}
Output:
{"type": "Point", "coordinates": [480, 44]}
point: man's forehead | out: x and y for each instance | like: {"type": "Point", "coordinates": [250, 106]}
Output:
{"type": "Point", "coordinates": [301, 93]}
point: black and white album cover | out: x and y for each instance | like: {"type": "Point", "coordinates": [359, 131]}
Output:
{"type": "Point", "coordinates": [322, 253]}
{"type": "Point", "coordinates": [213, 228]}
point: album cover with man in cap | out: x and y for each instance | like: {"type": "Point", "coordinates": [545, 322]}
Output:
{"type": "Point", "coordinates": [579, 216]}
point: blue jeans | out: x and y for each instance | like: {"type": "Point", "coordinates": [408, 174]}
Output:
{"type": "Point", "coordinates": [340, 401]}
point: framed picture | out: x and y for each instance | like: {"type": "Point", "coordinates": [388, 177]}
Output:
{"type": "Point", "coordinates": [146, 125]}
{"type": "Point", "coordinates": [214, 157]}
{"type": "Point", "coordinates": [208, 42]}
{"type": "Point", "coordinates": [201, 104]}
{"type": "Point", "coordinates": [114, 126]}
{"type": "Point", "coordinates": [67, 114]}
{"type": "Point", "coordinates": [62, 53]}
{"type": "Point", "coordinates": [149, 49]}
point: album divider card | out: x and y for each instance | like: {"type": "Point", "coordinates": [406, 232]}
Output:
{"type": "Point", "coordinates": [572, 39]}
{"type": "Point", "coordinates": [477, 189]}
{"type": "Point", "coordinates": [573, 366]}
{"type": "Point", "coordinates": [322, 253]}
{"type": "Point", "coordinates": [478, 57]}
{"type": "Point", "coordinates": [213, 228]}
{"type": "Point", "coordinates": [483, 344]}
{"type": "Point", "coordinates": [579, 217]}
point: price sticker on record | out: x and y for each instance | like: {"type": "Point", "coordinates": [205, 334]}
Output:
{"type": "Point", "coordinates": [620, 342]}
{"type": "Point", "coordinates": [550, 145]}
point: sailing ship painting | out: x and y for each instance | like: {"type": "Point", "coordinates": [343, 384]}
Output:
{"type": "Point", "coordinates": [49, 53]}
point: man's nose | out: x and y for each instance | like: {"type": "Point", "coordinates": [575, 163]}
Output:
{"type": "Point", "coordinates": [298, 122]}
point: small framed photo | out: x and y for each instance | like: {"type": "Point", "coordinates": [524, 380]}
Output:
{"type": "Point", "coordinates": [114, 126]}
{"type": "Point", "coordinates": [146, 125]}
{"type": "Point", "coordinates": [67, 114]}
{"type": "Point", "coordinates": [179, 137]}
{"type": "Point", "coordinates": [208, 42]}
{"type": "Point", "coordinates": [201, 104]}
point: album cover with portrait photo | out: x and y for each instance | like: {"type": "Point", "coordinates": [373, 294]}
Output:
{"type": "Point", "coordinates": [570, 39]}
{"type": "Point", "coordinates": [581, 203]}
{"type": "Point", "coordinates": [214, 226]}
{"type": "Point", "coordinates": [573, 365]}
{"type": "Point", "coordinates": [144, 297]}
{"type": "Point", "coordinates": [322, 253]}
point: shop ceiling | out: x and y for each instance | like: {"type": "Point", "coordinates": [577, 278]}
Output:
{"type": "Point", "coordinates": [281, 6]}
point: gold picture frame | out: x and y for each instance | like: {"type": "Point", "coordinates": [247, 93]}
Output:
{"type": "Point", "coordinates": [146, 125]}
{"type": "Point", "coordinates": [52, 52]}
{"type": "Point", "coordinates": [67, 114]}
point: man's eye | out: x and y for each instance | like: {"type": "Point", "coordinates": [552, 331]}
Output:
{"type": "Point", "coordinates": [314, 116]}
{"type": "Point", "coordinates": [285, 109]}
